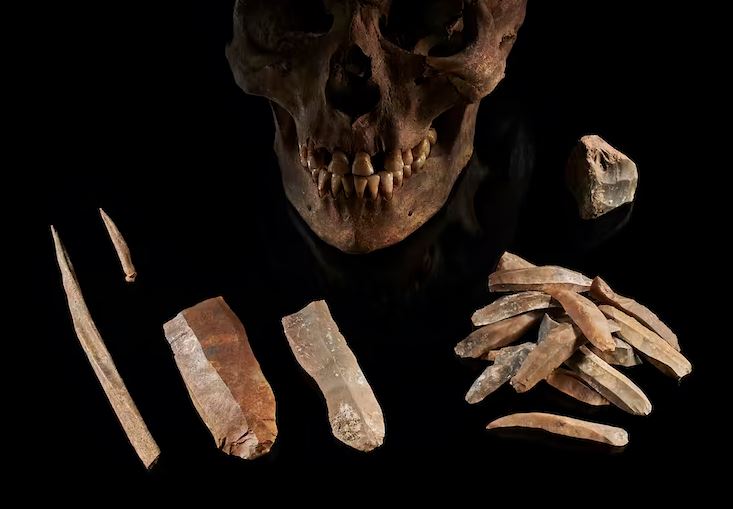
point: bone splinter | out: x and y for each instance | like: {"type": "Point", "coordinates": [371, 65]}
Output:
{"type": "Point", "coordinates": [102, 363]}
{"type": "Point", "coordinates": [123, 252]}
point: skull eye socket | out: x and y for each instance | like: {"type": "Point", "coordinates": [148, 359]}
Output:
{"type": "Point", "coordinates": [429, 27]}
{"type": "Point", "coordinates": [275, 25]}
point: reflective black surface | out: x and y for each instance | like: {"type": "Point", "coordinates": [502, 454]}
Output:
{"type": "Point", "coordinates": [182, 160]}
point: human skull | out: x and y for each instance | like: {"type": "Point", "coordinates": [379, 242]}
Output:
{"type": "Point", "coordinates": [374, 102]}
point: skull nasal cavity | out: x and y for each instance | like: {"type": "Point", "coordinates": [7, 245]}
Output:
{"type": "Point", "coordinates": [349, 88]}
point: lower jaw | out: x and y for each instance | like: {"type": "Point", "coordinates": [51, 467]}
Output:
{"type": "Point", "coordinates": [361, 226]}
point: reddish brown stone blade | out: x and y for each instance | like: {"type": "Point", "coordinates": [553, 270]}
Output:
{"type": "Point", "coordinates": [566, 426]}
{"type": "Point", "coordinates": [566, 382]}
{"type": "Point", "coordinates": [102, 364]}
{"type": "Point", "coordinates": [556, 347]}
{"type": "Point", "coordinates": [601, 291]}
{"type": "Point", "coordinates": [223, 378]}
{"type": "Point", "coordinates": [496, 335]}
{"type": "Point", "coordinates": [321, 350]}
{"type": "Point", "coordinates": [507, 362]}
{"type": "Point", "coordinates": [609, 382]}
{"type": "Point", "coordinates": [587, 317]}
{"type": "Point", "coordinates": [539, 279]}
{"type": "Point", "coordinates": [666, 358]}
{"type": "Point", "coordinates": [510, 261]}
{"type": "Point", "coordinates": [512, 305]}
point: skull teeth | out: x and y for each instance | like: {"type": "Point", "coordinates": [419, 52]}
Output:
{"type": "Point", "coordinates": [334, 174]}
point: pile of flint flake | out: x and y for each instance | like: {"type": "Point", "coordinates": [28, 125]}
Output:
{"type": "Point", "coordinates": [579, 341]}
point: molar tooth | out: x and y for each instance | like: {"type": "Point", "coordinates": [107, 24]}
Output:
{"type": "Point", "coordinates": [339, 164]}
{"type": "Point", "coordinates": [335, 184]}
{"type": "Point", "coordinates": [393, 161]}
{"type": "Point", "coordinates": [348, 183]}
{"type": "Point", "coordinates": [360, 184]}
{"type": "Point", "coordinates": [303, 153]}
{"type": "Point", "coordinates": [314, 175]}
{"type": "Point", "coordinates": [432, 136]}
{"type": "Point", "coordinates": [420, 154]}
{"type": "Point", "coordinates": [397, 177]}
{"type": "Point", "coordinates": [373, 186]}
{"type": "Point", "coordinates": [362, 165]}
{"type": "Point", "coordinates": [386, 184]}
{"type": "Point", "coordinates": [324, 182]}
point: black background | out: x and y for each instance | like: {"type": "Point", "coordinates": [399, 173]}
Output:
{"type": "Point", "coordinates": [139, 114]}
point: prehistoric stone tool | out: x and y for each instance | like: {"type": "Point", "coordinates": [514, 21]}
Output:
{"type": "Point", "coordinates": [538, 278]}
{"type": "Point", "coordinates": [609, 382]}
{"type": "Point", "coordinates": [104, 367]}
{"type": "Point", "coordinates": [497, 335]}
{"type": "Point", "coordinates": [600, 177]}
{"type": "Point", "coordinates": [321, 350]}
{"type": "Point", "coordinates": [568, 383]}
{"type": "Point", "coordinates": [123, 252]}
{"type": "Point", "coordinates": [506, 363]}
{"type": "Point", "coordinates": [512, 305]}
{"type": "Point", "coordinates": [223, 378]}
{"type": "Point", "coordinates": [603, 293]}
{"type": "Point", "coordinates": [649, 343]}
{"type": "Point", "coordinates": [566, 426]}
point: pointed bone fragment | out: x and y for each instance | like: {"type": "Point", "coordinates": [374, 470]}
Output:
{"type": "Point", "coordinates": [557, 346]}
{"type": "Point", "coordinates": [496, 335]}
{"type": "Point", "coordinates": [587, 317]}
{"type": "Point", "coordinates": [668, 360]}
{"type": "Point", "coordinates": [507, 362]}
{"type": "Point", "coordinates": [623, 355]}
{"type": "Point", "coordinates": [609, 382]}
{"type": "Point", "coordinates": [601, 291]}
{"type": "Point", "coordinates": [512, 305]}
{"type": "Point", "coordinates": [123, 252]}
{"type": "Point", "coordinates": [510, 261]}
{"type": "Point", "coordinates": [538, 278]}
{"type": "Point", "coordinates": [223, 378]}
{"type": "Point", "coordinates": [566, 426]}
{"type": "Point", "coordinates": [321, 350]}
{"type": "Point", "coordinates": [568, 383]}
{"type": "Point", "coordinates": [102, 363]}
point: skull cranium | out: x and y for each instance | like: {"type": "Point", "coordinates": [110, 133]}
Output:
{"type": "Point", "coordinates": [374, 102]}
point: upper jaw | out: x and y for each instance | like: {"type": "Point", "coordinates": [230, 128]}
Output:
{"type": "Point", "coordinates": [360, 176]}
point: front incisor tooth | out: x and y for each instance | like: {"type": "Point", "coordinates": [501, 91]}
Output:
{"type": "Point", "coordinates": [393, 162]}
{"type": "Point", "coordinates": [386, 184]}
{"type": "Point", "coordinates": [362, 165]}
{"type": "Point", "coordinates": [339, 164]}
{"type": "Point", "coordinates": [336, 184]}
{"type": "Point", "coordinates": [420, 154]}
{"type": "Point", "coordinates": [432, 136]}
{"type": "Point", "coordinates": [360, 184]}
{"type": "Point", "coordinates": [397, 177]}
{"type": "Point", "coordinates": [348, 184]}
{"type": "Point", "coordinates": [373, 186]}
{"type": "Point", "coordinates": [324, 182]}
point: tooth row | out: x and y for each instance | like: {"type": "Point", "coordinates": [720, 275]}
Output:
{"type": "Point", "coordinates": [359, 178]}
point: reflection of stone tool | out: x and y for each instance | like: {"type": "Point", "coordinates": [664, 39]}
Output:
{"type": "Point", "coordinates": [102, 363]}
